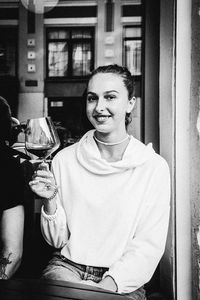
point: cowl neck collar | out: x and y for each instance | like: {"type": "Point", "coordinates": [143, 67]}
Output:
{"type": "Point", "coordinates": [89, 156]}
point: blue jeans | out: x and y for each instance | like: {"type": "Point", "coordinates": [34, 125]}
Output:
{"type": "Point", "coordinates": [60, 268]}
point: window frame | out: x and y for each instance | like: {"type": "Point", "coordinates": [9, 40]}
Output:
{"type": "Point", "coordinates": [13, 35]}
{"type": "Point", "coordinates": [132, 39]}
{"type": "Point", "coordinates": [70, 42]}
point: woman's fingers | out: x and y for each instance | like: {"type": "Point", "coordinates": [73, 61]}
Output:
{"type": "Point", "coordinates": [43, 166]}
{"type": "Point", "coordinates": [42, 173]}
{"type": "Point", "coordinates": [43, 183]}
{"type": "Point", "coordinates": [43, 180]}
{"type": "Point", "coordinates": [40, 182]}
{"type": "Point", "coordinates": [42, 189]}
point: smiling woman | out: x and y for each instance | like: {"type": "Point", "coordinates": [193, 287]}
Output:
{"type": "Point", "coordinates": [110, 216]}
{"type": "Point", "coordinates": [109, 103]}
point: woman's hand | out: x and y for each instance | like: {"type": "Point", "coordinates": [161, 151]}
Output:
{"type": "Point", "coordinates": [107, 284]}
{"type": "Point", "coordinates": [43, 183]}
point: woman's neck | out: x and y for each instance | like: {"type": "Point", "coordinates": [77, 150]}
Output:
{"type": "Point", "coordinates": [112, 149]}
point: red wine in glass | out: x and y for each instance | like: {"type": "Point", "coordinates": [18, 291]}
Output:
{"type": "Point", "coordinates": [40, 151]}
{"type": "Point", "coordinates": [41, 138]}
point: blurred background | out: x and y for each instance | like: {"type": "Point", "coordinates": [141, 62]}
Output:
{"type": "Point", "coordinates": [49, 48]}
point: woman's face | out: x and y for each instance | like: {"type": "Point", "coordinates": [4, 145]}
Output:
{"type": "Point", "coordinates": [108, 103]}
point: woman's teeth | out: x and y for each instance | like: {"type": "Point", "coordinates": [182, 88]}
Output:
{"type": "Point", "coordinates": [101, 118]}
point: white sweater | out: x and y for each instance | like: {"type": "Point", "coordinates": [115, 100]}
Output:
{"type": "Point", "coordinates": [111, 214]}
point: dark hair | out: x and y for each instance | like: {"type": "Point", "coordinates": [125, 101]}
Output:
{"type": "Point", "coordinates": [127, 80]}
{"type": "Point", "coordinates": [5, 120]}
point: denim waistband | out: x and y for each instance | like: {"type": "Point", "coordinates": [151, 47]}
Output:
{"type": "Point", "coordinates": [97, 271]}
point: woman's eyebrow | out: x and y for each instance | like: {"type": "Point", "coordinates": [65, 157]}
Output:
{"type": "Point", "coordinates": [106, 92]}
{"type": "Point", "coordinates": [91, 93]}
{"type": "Point", "coordinates": [111, 91]}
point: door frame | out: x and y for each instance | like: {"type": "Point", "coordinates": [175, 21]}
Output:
{"type": "Point", "coordinates": [174, 120]}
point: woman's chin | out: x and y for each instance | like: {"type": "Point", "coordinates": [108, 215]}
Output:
{"type": "Point", "coordinates": [102, 129]}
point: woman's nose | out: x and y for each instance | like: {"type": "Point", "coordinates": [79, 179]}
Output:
{"type": "Point", "coordinates": [100, 105]}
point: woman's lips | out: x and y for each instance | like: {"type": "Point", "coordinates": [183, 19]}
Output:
{"type": "Point", "coordinates": [101, 118]}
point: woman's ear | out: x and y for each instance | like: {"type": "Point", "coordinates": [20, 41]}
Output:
{"type": "Point", "coordinates": [131, 104]}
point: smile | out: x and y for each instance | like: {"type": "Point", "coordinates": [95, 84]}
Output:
{"type": "Point", "coordinates": [101, 118]}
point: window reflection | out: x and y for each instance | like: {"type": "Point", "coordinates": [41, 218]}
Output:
{"type": "Point", "coordinates": [133, 56]}
{"type": "Point", "coordinates": [70, 52]}
{"type": "Point", "coordinates": [58, 59]}
{"type": "Point", "coordinates": [81, 59]}
{"type": "Point", "coordinates": [133, 49]}
{"type": "Point", "coordinates": [81, 34]}
{"type": "Point", "coordinates": [58, 34]}
{"type": "Point", "coordinates": [8, 50]}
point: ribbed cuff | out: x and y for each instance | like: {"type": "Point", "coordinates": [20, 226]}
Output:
{"type": "Point", "coordinates": [49, 217]}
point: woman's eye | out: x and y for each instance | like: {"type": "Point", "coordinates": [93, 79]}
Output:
{"type": "Point", "coordinates": [110, 97]}
{"type": "Point", "coordinates": [91, 98]}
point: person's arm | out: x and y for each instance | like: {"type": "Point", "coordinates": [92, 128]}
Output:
{"type": "Point", "coordinates": [12, 230]}
{"type": "Point", "coordinates": [53, 218]}
{"type": "Point", "coordinates": [54, 223]}
{"type": "Point", "coordinates": [144, 251]}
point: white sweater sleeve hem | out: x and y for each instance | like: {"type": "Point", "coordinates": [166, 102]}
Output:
{"type": "Point", "coordinates": [122, 287]}
{"type": "Point", "coordinates": [110, 274]}
{"type": "Point", "coordinates": [49, 217]}
{"type": "Point", "coordinates": [53, 227]}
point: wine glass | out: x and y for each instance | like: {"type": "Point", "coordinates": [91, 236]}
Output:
{"type": "Point", "coordinates": [41, 138]}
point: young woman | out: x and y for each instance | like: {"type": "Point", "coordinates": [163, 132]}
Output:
{"type": "Point", "coordinates": [106, 205]}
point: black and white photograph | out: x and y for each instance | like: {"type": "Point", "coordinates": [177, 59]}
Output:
{"type": "Point", "coordinates": [100, 149]}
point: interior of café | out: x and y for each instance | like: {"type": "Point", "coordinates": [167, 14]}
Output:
{"type": "Point", "coordinates": [46, 56]}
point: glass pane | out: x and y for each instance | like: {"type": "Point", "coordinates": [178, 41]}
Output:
{"type": "Point", "coordinates": [58, 34]}
{"type": "Point", "coordinates": [81, 59]}
{"type": "Point", "coordinates": [133, 56]}
{"type": "Point", "coordinates": [81, 33]}
{"type": "Point", "coordinates": [133, 32]}
{"type": "Point", "coordinates": [7, 58]}
{"type": "Point", "coordinates": [57, 59]}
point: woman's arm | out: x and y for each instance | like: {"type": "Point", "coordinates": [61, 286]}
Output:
{"type": "Point", "coordinates": [144, 251]}
{"type": "Point", "coordinates": [53, 218]}
{"type": "Point", "coordinates": [54, 226]}
{"type": "Point", "coordinates": [12, 229]}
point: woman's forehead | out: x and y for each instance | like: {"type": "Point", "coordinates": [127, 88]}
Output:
{"type": "Point", "coordinates": [106, 81]}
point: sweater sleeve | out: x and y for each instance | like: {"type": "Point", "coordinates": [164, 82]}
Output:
{"type": "Point", "coordinates": [144, 251]}
{"type": "Point", "coordinates": [54, 227]}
